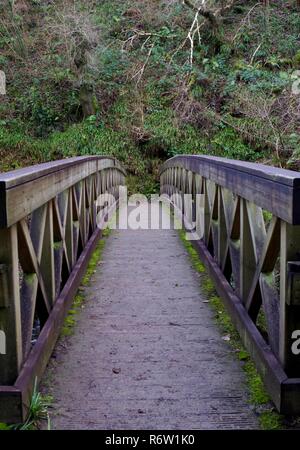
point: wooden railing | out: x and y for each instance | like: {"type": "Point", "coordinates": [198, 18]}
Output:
{"type": "Point", "coordinates": [250, 242]}
{"type": "Point", "coordinates": [48, 230]}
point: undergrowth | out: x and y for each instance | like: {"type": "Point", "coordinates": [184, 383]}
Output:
{"type": "Point", "coordinates": [233, 101]}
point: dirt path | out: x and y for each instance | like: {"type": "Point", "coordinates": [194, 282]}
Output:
{"type": "Point", "coordinates": [146, 353]}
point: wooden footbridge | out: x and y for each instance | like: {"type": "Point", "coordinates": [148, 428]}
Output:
{"type": "Point", "coordinates": [250, 215]}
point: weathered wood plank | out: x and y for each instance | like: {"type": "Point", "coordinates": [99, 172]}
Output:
{"type": "Point", "coordinates": [11, 406]}
{"type": "Point", "coordinates": [266, 264]}
{"type": "Point", "coordinates": [10, 316]}
{"type": "Point", "coordinates": [26, 190]}
{"type": "Point", "coordinates": [289, 313]}
{"type": "Point", "coordinates": [276, 190]}
{"type": "Point", "coordinates": [47, 257]}
{"type": "Point", "coordinates": [27, 174]}
{"type": "Point", "coordinates": [247, 254]}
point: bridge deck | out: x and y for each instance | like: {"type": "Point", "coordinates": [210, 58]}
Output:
{"type": "Point", "coordinates": [146, 353]}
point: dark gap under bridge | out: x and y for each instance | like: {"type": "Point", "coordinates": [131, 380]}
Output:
{"type": "Point", "coordinates": [250, 215]}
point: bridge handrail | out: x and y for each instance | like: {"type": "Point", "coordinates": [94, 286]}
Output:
{"type": "Point", "coordinates": [274, 189]}
{"type": "Point", "coordinates": [47, 180]}
{"type": "Point", "coordinates": [250, 216]}
{"type": "Point", "coordinates": [48, 230]}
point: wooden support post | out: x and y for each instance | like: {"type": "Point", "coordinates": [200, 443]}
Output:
{"type": "Point", "coordinates": [289, 297]}
{"type": "Point", "coordinates": [69, 235]}
{"type": "Point", "coordinates": [222, 230]}
{"type": "Point", "coordinates": [206, 214]}
{"type": "Point", "coordinates": [47, 259]}
{"type": "Point", "coordinates": [247, 256]}
{"type": "Point", "coordinates": [10, 316]}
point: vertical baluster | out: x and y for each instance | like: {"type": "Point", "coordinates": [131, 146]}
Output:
{"type": "Point", "coordinates": [69, 234]}
{"type": "Point", "coordinates": [222, 230]}
{"type": "Point", "coordinates": [247, 256]}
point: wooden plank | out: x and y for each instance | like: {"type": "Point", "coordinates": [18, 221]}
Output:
{"type": "Point", "coordinates": [276, 190]}
{"type": "Point", "coordinates": [27, 174]}
{"type": "Point", "coordinates": [61, 261]}
{"type": "Point", "coordinates": [11, 405]}
{"type": "Point", "coordinates": [222, 228]}
{"type": "Point", "coordinates": [290, 396]}
{"type": "Point", "coordinates": [10, 317]}
{"type": "Point", "coordinates": [232, 217]}
{"type": "Point", "coordinates": [289, 313]}
{"type": "Point", "coordinates": [29, 286]}
{"type": "Point", "coordinates": [69, 236]}
{"type": "Point", "coordinates": [26, 191]}
{"type": "Point", "coordinates": [270, 300]}
{"type": "Point", "coordinates": [247, 255]}
{"type": "Point", "coordinates": [28, 259]}
{"type": "Point", "coordinates": [267, 364]}
{"type": "Point", "coordinates": [47, 257]}
{"type": "Point", "coordinates": [36, 363]}
{"type": "Point", "coordinates": [266, 264]}
{"type": "Point", "coordinates": [270, 173]}
{"type": "Point", "coordinates": [257, 228]}
{"type": "Point", "coordinates": [28, 302]}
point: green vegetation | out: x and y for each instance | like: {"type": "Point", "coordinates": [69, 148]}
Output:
{"type": "Point", "coordinates": [122, 78]}
{"type": "Point", "coordinates": [269, 418]}
{"type": "Point", "coordinates": [38, 411]}
{"type": "Point", "coordinates": [70, 320]}
{"type": "Point", "coordinates": [146, 80]}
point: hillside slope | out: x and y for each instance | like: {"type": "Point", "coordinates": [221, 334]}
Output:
{"type": "Point", "coordinates": [146, 80]}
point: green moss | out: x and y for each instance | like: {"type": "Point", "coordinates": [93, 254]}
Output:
{"type": "Point", "coordinates": [30, 278]}
{"type": "Point", "coordinates": [258, 395]}
{"type": "Point", "coordinates": [267, 217]}
{"type": "Point", "coordinates": [269, 418]}
{"type": "Point", "coordinates": [70, 320]}
{"type": "Point", "coordinates": [243, 355]}
{"type": "Point", "coordinates": [208, 286]}
{"type": "Point", "coordinates": [93, 263]}
{"type": "Point", "coordinates": [57, 245]}
{"type": "Point", "coordinates": [197, 264]}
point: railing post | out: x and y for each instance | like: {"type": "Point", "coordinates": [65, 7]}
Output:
{"type": "Point", "coordinates": [247, 257]}
{"type": "Point", "coordinates": [222, 231]}
{"type": "Point", "coordinates": [289, 297]}
{"type": "Point", "coordinates": [10, 316]}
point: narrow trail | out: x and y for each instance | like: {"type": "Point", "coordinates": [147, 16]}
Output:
{"type": "Point", "coordinates": [146, 353]}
